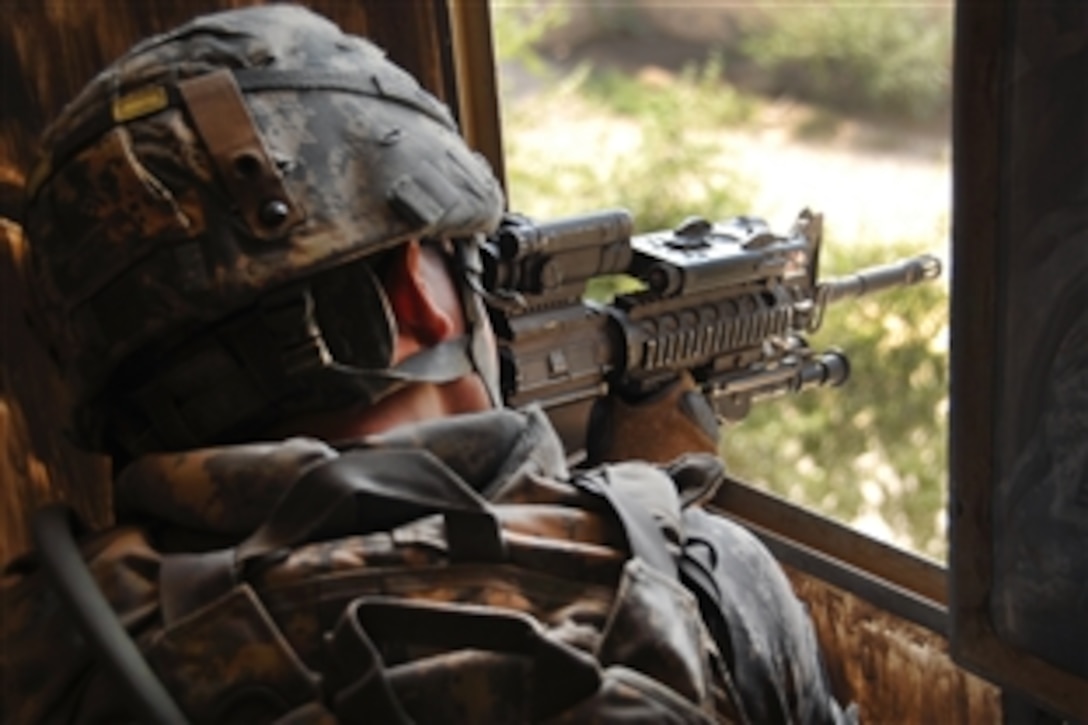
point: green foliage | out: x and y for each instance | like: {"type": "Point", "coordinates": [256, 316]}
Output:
{"type": "Point", "coordinates": [653, 175]}
{"type": "Point", "coordinates": [875, 447]}
{"type": "Point", "coordinates": [889, 58]}
{"type": "Point", "coordinates": [699, 91]}
{"type": "Point", "coordinates": [518, 28]}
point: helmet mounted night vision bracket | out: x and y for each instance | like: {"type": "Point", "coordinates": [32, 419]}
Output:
{"type": "Point", "coordinates": [219, 114]}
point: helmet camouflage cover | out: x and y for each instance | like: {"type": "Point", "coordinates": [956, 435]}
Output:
{"type": "Point", "coordinates": [198, 216]}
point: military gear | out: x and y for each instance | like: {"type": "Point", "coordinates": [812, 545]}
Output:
{"type": "Point", "coordinates": [197, 222]}
{"type": "Point", "coordinates": [452, 571]}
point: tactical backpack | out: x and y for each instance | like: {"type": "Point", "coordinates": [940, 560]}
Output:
{"type": "Point", "coordinates": [398, 583]}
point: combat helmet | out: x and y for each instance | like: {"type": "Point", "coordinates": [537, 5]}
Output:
{"type": "Point", "coordinates": [205, 216]}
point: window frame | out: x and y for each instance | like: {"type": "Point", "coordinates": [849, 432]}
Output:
{"type": "Point", "coordinates": [984, 141]}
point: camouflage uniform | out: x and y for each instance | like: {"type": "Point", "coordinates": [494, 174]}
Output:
{"type": "Point", "coordinates": [205, 235]}
{"type": "Point", "coordinates": [560, 623]}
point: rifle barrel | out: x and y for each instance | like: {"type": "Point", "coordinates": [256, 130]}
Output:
{"type": "Point", "coordinates": [909, 271]}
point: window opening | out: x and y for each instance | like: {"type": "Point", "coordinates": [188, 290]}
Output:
{"type": "Point", "coordinates": [761, 109]}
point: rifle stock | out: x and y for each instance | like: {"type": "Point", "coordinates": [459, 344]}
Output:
{"type": "Point", "coordinates": [728, 302]}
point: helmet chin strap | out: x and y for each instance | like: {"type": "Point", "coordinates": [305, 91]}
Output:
{"type": "Point", "coordinates": [473, 352]}
{"type": "Point", "coordinates": [442, 363]}
{"type": "Point", "coordinates": [484, 355]}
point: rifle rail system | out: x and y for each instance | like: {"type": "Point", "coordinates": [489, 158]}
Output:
{"type": "Point", "coordinates": [729, 302]}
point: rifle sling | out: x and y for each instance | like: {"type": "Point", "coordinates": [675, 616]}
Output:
{"type": "Point", "coordinates": [67, 571]}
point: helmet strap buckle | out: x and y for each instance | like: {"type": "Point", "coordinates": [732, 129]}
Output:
{"type": "Point", "coordinates": [218, 111]}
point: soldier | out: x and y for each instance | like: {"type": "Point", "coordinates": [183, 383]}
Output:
{"type": "Point", "coordinates": [253, 255]}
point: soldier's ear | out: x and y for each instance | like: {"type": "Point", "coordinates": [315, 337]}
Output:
{"type": "Point", "coordinates": [423, 298]}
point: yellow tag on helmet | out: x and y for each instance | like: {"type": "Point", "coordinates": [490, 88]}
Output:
{"type": "Point", "coordinates": [141, 102]}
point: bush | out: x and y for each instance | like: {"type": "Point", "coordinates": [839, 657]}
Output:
{"type": "Point", "coordinates": [517, 30]}
{"type": "Point", "coordinates": [890, 59]}
{"type": "Point", "coordinates": [873, 450]}
{"type": "Point", "coordinates": [637, 163]}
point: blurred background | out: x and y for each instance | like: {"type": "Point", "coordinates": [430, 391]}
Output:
{"type": "Point", "coordinates": [719, 108]}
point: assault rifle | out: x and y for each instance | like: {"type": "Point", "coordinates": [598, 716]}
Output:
{"type": "Point", "coordinates": [730, 302]}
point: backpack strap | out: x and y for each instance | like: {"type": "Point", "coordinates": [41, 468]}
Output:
{"type": "Point", "coordinates": [360, 492]}
{"type": "Point", "coordinates": [693, 561]}
{"type": "Point", "coordinates": [697, 572]}
{"type": "Point", "coordinates": [644, 535]}
{"type": "Point", "coordinates": [369, 490]}
{"type": "Point", "coordinates": [562, 674]}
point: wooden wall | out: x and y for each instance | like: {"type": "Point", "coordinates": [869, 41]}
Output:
{"type": "Point", "coordinates": [892, 669]}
